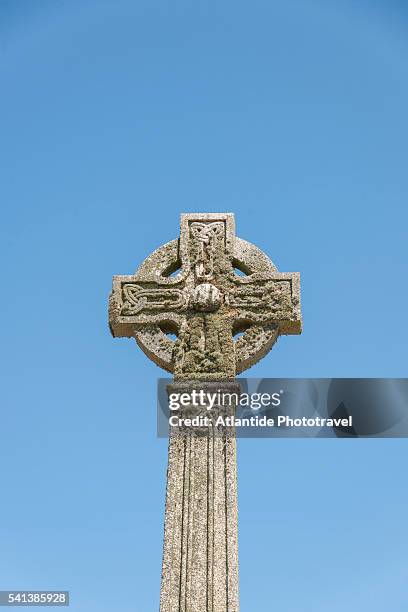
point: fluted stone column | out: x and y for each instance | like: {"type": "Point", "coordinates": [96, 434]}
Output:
{"type": "Point", "coordinates": [200, 559]}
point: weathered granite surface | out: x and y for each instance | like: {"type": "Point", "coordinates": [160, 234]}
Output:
{"type": "Point", "coordinates": [207, 302]}
{"type": "Point", "coordinates": [200, 557]}
{"type": "Point", "coordinates": [226, 304]}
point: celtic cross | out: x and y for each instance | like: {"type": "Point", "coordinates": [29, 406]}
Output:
{"type": "Point", "coordinates": [205, 289]}
{"type": "Point", "coordinates": [224, 286]}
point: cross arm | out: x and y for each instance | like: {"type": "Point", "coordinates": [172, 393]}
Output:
{"type": "Point", "coordinates": [136, 302]}
{"type": "Point", "coordinates": [268, 299]}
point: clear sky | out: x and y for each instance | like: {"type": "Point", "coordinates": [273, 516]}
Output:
{"type": "Point", "coordinates": [117, 116]}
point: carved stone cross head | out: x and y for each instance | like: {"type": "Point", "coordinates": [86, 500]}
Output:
{"type": "Point", "coordinates": [219, 296]}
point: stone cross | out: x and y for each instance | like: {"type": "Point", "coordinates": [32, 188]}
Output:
{"type": "Point", "coordinates": [205, 307]}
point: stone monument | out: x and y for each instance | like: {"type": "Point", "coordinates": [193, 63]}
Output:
{"type": "Point", "coordinates": [225, 304]}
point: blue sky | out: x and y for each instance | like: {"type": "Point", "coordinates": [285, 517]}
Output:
{"type": "Point", "coordinates": [116, 117]}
